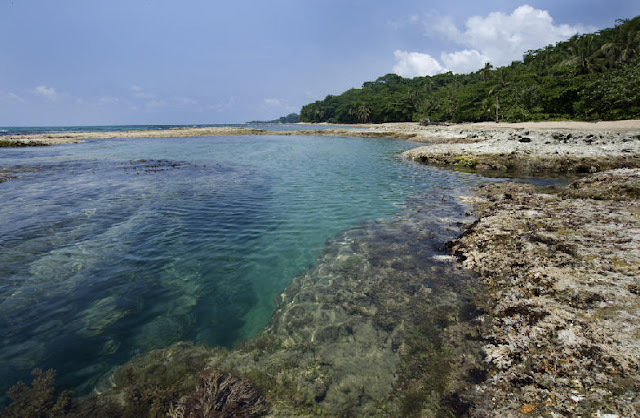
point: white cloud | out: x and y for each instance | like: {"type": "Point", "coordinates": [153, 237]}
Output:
{"type": "Point", "coordinates": [504, 38]}
{"type": "Point", "coordinates": [11, 98]}
{"type": "Point", "coordinates": [414, 64]}
{"type": "Point", "coordinates": [153, 101]}
{"type": "Point", "coordinates": [48, 93]}
{"type": "Point", "coordinates": [466, 61]}
{"type": "Point", "coordinates": [156, 104]}
{"type": "Point", "coordinates": [497, 38]}
{"type": "Point", "coordinates": [183, 101]}
{"type": "Point", "coordinates": [229, 104]}
{"type": "Point", "coordinates": [281, 105]}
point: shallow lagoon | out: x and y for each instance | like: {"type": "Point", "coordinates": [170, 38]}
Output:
{"type": "Point", "coordinates": [111, 248]}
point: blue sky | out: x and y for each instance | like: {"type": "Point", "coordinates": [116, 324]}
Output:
{"type": "Point", "coordinates": [90, 62]}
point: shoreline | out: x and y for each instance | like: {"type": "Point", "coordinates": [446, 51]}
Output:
{"type": "Point", "coordinates": [529, 147]}
{"type": "Point", "coordinates": [560, 270]}
{"type": "Point", "coordinates": [558, 314]}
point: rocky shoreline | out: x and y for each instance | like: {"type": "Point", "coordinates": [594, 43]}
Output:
{"type": "Point", "coordinates": [561, 273]}
{"type": "Point", "coordinates": [560, 268]}
{"type": "Point", "coordinates": [537, 151]}
{"type": "Point", "coordinates": [546, 325]}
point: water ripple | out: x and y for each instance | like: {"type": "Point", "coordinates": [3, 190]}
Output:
{"type": "Point", "coordinates": [114, 247]}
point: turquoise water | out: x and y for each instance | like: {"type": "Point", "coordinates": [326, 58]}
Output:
{"type": "Point", "coordinates": [110, 248]}
{"type": "Point", "coordinates": [27, 130]}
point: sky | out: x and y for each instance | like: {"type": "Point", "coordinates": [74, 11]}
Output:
{"type": "Point", "coordinates": [118, 62]}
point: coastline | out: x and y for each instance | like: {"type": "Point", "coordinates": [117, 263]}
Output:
{"type": "Point", "coordinates": [557, 320]}
{"type": "Point", "coordinates": [560, 147]}
{"type": "Point", "coordinates": [559, 267]}
{"type": "Point", "coordinates": [560, 270]}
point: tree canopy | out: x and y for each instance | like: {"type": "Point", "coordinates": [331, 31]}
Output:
{"type": "Point", "coordinates": [290, 118]}
{"type": "Point", "coordinates": [588, 77]}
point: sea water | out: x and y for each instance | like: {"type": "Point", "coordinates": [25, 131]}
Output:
{"type": "Point", "coordinates": [38, 130]}
{"type": "Point", "coordinates": [114, 247]}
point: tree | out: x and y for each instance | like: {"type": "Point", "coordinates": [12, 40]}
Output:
{"type": "Point", "coordinates": [551, 82]}
{"type": "Point", "coordinates": [486, 71]}
{"type": "Point", "coordinates": [583, 50]}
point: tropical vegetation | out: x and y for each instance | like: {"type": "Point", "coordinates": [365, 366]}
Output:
{"type": "Point", "coordinates": [588, 77]}
{"type": "Point", "coordinates": [290, 118]}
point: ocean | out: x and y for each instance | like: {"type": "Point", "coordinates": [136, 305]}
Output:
{"type": "Point", "coordinates": [30, 130]}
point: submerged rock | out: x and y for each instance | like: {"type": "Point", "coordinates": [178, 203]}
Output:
{"type": "Point", "coordinates": [383, 324]}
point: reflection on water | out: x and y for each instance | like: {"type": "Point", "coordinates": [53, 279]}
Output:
{"type": "Point", "coordinates": [114, 247]}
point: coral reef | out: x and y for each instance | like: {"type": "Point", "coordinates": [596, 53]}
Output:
{"type": "Point", "coordinates": [623, 184]}
{"type": "Point", "coordinates": [531, 152]}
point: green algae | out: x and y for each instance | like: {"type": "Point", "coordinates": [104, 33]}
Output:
{"type": "Point", "coordinates": [612, 185]}
{"type": "Point", "coordinates": [465, 161]}
{"type": "Point", "coordinates": [11, 143]}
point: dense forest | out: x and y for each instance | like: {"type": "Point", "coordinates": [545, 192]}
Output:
{"type": "Point", "coordinates": [290, 118]}
{"type": "Point", "coordinates": [589, 77]}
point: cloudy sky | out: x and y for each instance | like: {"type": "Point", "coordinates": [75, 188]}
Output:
{"type": "Point", "coordinates": [91, 62]}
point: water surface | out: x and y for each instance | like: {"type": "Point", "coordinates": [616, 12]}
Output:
{"type": "Point", "coordinates": [110, 248]}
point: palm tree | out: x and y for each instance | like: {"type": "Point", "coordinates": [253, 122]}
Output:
{"type": "Point", "coordinates": [486, 71]}
{"type": "Point", "coordinates": [583, 51]}
{"type": "Point", "coordinates": [628, 39]}
{"type": "Point", "coordinates": [363, 113]}
{"type": "Point", "coordinates": [360, 113]}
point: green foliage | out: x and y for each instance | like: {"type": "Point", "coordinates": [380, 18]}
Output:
{"type": "Point", "coordinates": [290, 118]}
{"type": "Point", "coordinates": [589, 77]}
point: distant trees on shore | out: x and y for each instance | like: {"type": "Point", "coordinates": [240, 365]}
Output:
{"type": "Point", "coordinates": [589, 77]}
{"type": "Point", "coordinates": [290, 118]}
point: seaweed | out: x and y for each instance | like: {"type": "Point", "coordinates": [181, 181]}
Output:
{"type": "Point", "coordinates": [37, 400]}
{"type": "Point", "coordinates": [221, 394]}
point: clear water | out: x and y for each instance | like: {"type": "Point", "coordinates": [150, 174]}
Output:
{"type": "Point", "coordinates": [28, 130]}
{"type": "Point", "coordinates": [110, 248]}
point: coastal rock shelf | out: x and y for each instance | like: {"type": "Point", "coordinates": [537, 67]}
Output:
{"type": "Point", "coordinates": [536, 151]}
{"type": "Point", "coordinates": [539, 316]}
{"type": "Point", "coordinates": [561, 273]}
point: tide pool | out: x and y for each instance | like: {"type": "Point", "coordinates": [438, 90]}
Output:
{"type": "Point", "coordinates": [111, 248]}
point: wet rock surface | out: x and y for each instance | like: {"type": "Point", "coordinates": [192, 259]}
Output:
{"type": "Point", "coordinates": [623, 184]}
{"type": "Point", "coordinates": [561, 274]}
